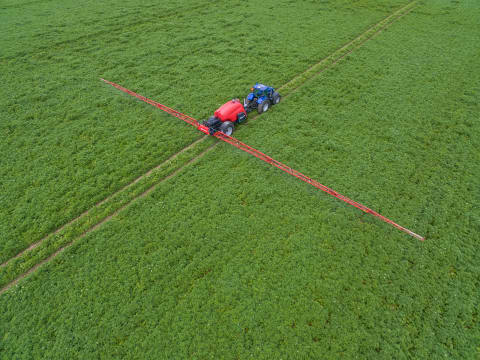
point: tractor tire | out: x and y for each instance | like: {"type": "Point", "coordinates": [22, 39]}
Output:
{"type": "Point", "coordinates": [276, 98]}
{"type": "Point", "coordinates": [263, 107]}
{"type": "Point", "coordinates": [227, 128]}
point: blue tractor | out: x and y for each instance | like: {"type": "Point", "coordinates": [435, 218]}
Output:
{"type": "Point", "coordinates": [261, 98]}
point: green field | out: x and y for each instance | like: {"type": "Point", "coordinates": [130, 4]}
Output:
{"type": "Point", "coordinates": [229, 257]}
{"type": "Point", "coordinates": [76, 141]}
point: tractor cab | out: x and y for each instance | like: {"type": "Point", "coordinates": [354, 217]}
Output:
{"type": "Point", "coordinates": [260, 98]}
{"type": "Point", "coordinates": [258, 91]}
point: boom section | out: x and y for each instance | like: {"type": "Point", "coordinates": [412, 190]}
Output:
{"type": "Point", "coordinates": [173, 112]}
{"type": "Point", "coordinates": [242, 146]}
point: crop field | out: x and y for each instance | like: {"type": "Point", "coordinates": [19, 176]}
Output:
{"type": "Point", "coordinates": [125, 233]}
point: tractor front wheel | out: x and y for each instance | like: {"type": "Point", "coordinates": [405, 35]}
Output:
{"type": "Point", "coordinates": [263, 107]}
{"type": "Point", "coordinates": [227, 128]}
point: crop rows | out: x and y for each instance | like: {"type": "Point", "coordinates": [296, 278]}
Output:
{"type": "Point", "coordinates": [50, 246]}
{"type": "Point", "coordinates": [52, 97]}
{"type": "Point", "coordinates": [233, 259]}
{"type": "Point", "coordinates": [5, 279]}
{"type": "Point", "coordinates": [56, 31]}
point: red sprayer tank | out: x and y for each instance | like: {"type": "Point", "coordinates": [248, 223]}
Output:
{"type": "Point", "coordinates": [230, 110]}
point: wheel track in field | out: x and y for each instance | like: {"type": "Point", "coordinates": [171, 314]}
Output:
{"type": "Point", "coordinates": [106, 219]}
{"type": "Point", "coordinates": [85, 213]}
{"type": "Point", "coordinates": [291, 86]}
{"type": "Point", "coordinates": [410, 6]}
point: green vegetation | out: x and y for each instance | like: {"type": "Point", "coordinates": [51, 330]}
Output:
{"type": "Point", "coordinates": [84, 223]}
{"type": "Point", "coordinates": [69, 140]}
{"type": "Point", "coordinates": [76, 228]}
{"type": "Point", "coordinates": [232, 258]}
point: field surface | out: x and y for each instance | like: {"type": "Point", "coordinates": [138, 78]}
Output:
{"type": "Point", "coordinates": [124, 233]}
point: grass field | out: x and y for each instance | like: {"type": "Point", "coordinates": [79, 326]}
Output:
{"type": "Point", "coordinates": [230, 258]}
{"type": "Point", "coordinates": [189, 54]}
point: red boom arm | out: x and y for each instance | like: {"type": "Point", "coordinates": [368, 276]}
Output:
{"type": "Point", "coordinates": [266, 158]}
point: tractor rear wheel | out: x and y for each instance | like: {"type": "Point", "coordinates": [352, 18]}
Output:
{"type": "Point", "coordinates": [227, 128]}
{"type": "Point", "coordinates": [263, 107]}
{"type": "Point", "coordinates": [276, 98]}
